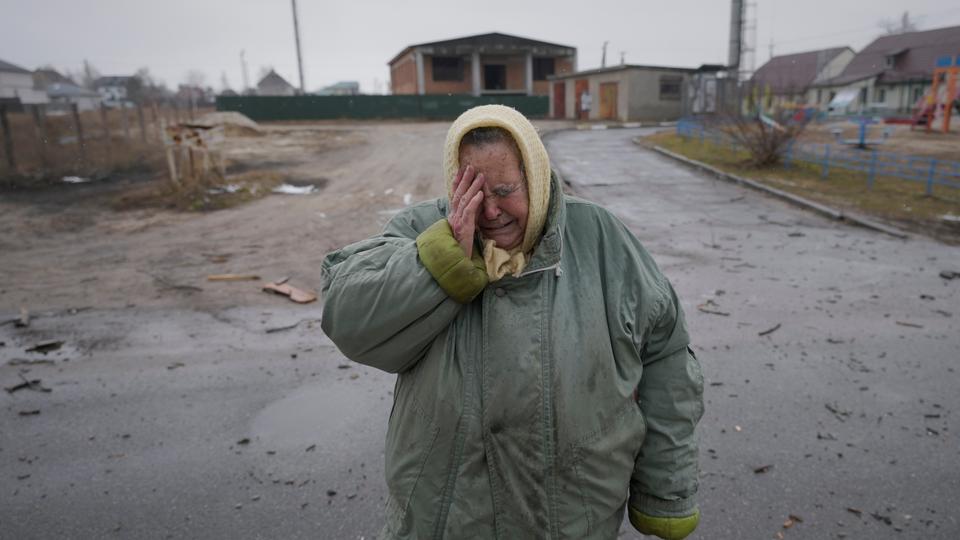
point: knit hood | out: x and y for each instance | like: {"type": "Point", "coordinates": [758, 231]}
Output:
{"type": "Point", "coordinates": [536, 162]}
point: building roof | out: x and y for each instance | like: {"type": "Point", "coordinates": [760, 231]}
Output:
{"type": "Point", "coordinates": [12, 68]}
{"type": "Point", "coordinates": [488, 43]}
{"type": "Point", "coordinates": [620, 67]}
{"type": "Point", "coordinates": [914, 56]}
{"type": "Point", "coordinates": [792, 73]}
{"type": "Point", "coordinates": [112, 80]}
{"type": "Point", "coordinates": [42, 78]}
{"type": "Point", "coordinates": [273, 78]}
{"type": "Point", "coordinates": [68, 90]}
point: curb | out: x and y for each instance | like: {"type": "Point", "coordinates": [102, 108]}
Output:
{"type": "Point", "coordinates": [797, 200]}
{"type": "Point", "coordinates": [622, 125]}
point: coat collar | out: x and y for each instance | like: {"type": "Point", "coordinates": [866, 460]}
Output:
{"type": "Point", "coordinates": [547, 252]}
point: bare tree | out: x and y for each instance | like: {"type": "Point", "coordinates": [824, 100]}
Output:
{"type": "Point", "coordinates": [902, 26]}
{"type": "Point", "coordinates": [89, 75]}
{"type": "Point", "coordinates": [765, 138]}
{"type": "Point", "coordinates": [196, 78]}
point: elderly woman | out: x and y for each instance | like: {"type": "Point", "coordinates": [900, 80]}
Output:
{"type": "Point", "coordinates": [544, 374]}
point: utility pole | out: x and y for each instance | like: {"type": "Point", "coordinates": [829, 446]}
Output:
{"type": "Point", "coordinates": [243, 66]}
{"type": "Point", "coordinates": [623, 55]}
{"type": "Point", "coordinates": [603, 59]}
{"type": "Point", "coordinates": [296, 35]}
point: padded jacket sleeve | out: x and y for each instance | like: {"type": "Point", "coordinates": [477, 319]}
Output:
{"type": "Point", "coordinates": [665, 477]}
{"type": "Point", "coordinates": [382, 307]}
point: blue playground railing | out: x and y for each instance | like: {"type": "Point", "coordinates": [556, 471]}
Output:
{"type": "Point", "coordinates": [872, 162]}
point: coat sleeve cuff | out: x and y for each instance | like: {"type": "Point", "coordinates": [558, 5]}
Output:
{"type": "Point", "coordinates": [657, 507]}
{"type": "Point", "coordinates": [442, 256]}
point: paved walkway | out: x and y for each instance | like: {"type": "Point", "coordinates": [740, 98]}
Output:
{"type": "Point", "coordinates": [849, 403]}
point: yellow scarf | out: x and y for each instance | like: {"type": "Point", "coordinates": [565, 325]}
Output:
{"type": "Point", "coordinates": [500, 262]}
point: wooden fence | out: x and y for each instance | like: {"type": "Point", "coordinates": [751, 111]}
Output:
{"type": "Point", "coordinates": [43, 143]}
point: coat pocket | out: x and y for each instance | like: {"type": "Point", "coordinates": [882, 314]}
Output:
{"type": "Point", "coordinates": [411, 435]}
{"type": "Point", "coordinates": [599, 466]}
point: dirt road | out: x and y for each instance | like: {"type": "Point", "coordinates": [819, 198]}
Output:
{"type": "Point", "coordinates": [223, 412]}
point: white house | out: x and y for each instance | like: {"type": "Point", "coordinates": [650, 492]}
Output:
{"type": "Point", "coordinates": [890, 75]}
{"type": "Point", "coordinates": [16, 82]}
{"type": "Point", "coordinates": [64, 95]}
{"type": "Point", "coordinates": [114, 90]}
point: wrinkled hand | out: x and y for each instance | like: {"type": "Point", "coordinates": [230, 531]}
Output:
{"type": "Point", "coordinates": [464, 206]}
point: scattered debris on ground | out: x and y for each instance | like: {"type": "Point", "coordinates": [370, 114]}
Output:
{"type": "Point", "coordinates": [289, 189]}
{"type": "Point", "coordinates": [711, 307]}
{"type": "Point", "coordinates": [909, 324]}
{"type": "Point", "coordinates": [299, 296]}
{"type": "Point", "coordinates": [233, 277]}
{"type": "Point", "coordinates": [769, 331]}
{"type": "Point", "coordinates": [792, 519]}
{"type": "Point", "coordinates": [35, 384]}
{"type": "Point", "coordinates": [234, 123]}
{"type": "Point", "coordinates": [45, 347]}
{"type": "Point", "coordinates": [289, 326]}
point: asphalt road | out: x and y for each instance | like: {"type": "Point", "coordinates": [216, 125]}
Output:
{"type": "Point", "coordinates": [194, 423]}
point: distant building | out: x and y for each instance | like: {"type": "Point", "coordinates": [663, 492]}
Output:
{"type": "Point", "coordinates": [273, 84]}
{"type": "Point", "coordinates": [485, 64]}
{"type": "Point", "coordinates": [64, 95]}
{"type": "Point", "coordinates": [342, 88]}
{"type": "Point", "coordinates": [789, 77]}
{"type": "Point", "coordinates": [17, 82]}
{"type": "Point", "coordinates": [117, 90]}
{"type": "Point", "coordinates": [42, 78]}
{"type": "Point", "coordinates": [192, 95]}
{"type": "Point", "coordinates": [625, 93]}
{"type": "Point", "coordinates": [890, 75]}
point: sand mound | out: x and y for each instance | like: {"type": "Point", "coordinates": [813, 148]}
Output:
{"type": "Point", "coordinates": [233, 123]}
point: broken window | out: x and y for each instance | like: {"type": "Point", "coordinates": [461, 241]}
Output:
{"type": "Point", "coordinates": [447, 68]}
{"type": "Point", "coordinates": [670, 87]}
{"type": "Point", "coordinates": [542, 68]}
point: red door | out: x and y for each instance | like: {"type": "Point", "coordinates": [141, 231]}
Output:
{"type": "Point", "coordinates": [559, 99]}
{"type": "Point", "coordinates": [579, 88]}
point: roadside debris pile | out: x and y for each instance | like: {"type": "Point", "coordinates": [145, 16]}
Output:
{"type": "Point", "coordinates": [234, 124]}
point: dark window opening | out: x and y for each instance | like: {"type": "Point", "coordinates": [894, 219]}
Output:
{"type": "Point", "coordinates": [542, 68]}
{"type": "Point", "coordinates": [495, 77]}
{"type": "Point", "coordinates": [446, 68]}
{"type": "Point", "coordinates": [670, 88]}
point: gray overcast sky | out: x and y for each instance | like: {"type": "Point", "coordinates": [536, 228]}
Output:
{"type": "Point", "coordinates": [354, 39]}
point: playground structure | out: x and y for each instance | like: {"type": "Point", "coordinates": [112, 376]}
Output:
{"type": "Point", "coordinates": [861, 141]}
{"type": "Point", "coordinates": [936, 106]}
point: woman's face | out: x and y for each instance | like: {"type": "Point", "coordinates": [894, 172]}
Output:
{"type": "Point", "coordinates": [503, 212]}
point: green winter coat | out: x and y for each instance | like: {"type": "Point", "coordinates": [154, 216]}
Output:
{"type": "Point", "coordinates": [536, 409]}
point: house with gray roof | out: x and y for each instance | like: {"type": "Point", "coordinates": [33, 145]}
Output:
{"type": "Point", "coordinates": [272, 84]}
{"type": "Point", "coordinates": [891, 74]}
{"type": "Point", "coordinates": [788, 78]}
{"type": "Point", "coordinates": [16, 83]}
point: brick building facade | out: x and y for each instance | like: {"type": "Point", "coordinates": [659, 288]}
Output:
{"type": "Point", "coordinates": [485, 64]}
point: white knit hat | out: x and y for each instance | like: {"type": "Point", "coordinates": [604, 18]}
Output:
{"type": "Point", "coordinates": [536, 162]}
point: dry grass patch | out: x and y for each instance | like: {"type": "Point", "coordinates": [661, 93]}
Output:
{"type": "Point", "coordinates": [201, 196]}
{"type": "Point", "coordinates": [900, 201]}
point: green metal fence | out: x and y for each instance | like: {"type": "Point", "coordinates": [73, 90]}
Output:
{"type": "Point", "coordinates": [266, 108]}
